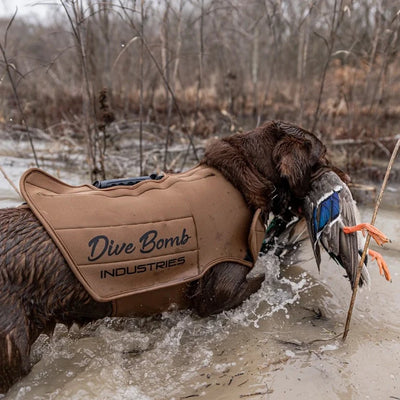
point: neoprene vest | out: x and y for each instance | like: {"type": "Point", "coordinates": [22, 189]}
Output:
{"type": "Point", "coordinates": [138, 246]}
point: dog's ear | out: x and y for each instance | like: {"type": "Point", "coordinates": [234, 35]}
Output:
{"type": "Point", "coordinates": [294, 160]}
{"type": "Point", "coordinates": [317, 148]}
{"type": "Point", "coordinates": [296, 155]}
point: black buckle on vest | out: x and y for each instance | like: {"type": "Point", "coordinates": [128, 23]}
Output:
{"type": "Point", "coordinates": [125, 181]}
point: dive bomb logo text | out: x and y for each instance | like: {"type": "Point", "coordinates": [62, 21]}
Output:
{"type": "Point", "coordinates": [102, 246]}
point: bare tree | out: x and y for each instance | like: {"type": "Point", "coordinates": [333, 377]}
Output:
{"type": "Point", "coordinates": [337, 17]}
{"type": "Point", "coordinates": [10, 70]}
{"type": "Point", "coordinates": [78, 23]}
{"type": "Point", "coordinates": [187, 65]}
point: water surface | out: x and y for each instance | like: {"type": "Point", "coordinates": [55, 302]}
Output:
{"type": "Point", "coordinates": [283, 342]}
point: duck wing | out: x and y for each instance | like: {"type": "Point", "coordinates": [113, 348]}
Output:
{"type": "Point", "coordinates": [328, 207]}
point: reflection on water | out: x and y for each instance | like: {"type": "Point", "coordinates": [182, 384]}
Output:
{"type": "Point", "coordinates": [283, 342]}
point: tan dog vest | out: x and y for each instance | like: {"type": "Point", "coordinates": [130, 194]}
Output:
{"type": "Point", "coordinates": [139, 245]}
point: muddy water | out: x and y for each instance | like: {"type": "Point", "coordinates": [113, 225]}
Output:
{"type": "Point", "coordinates": [282, 343]}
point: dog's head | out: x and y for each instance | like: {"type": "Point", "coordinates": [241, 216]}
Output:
{"type": "Point", "coordinates": [297, 155]}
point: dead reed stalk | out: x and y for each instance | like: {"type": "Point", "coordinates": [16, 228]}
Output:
{"type": "Point", "coordinates": [361, 263]}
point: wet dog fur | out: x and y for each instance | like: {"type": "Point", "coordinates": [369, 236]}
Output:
{"type": "Point", "coordinates": [271, 166]}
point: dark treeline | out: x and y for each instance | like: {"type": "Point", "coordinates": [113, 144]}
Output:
{"type": "Point", "coordinates": [329, 65]}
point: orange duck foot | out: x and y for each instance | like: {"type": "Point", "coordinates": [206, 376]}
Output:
{"type": "Point", "coordinates": [383, 268]}
{"type": "Point", "coordinates": [379, 237]}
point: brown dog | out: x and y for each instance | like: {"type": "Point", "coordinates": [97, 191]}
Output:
{"type": "Point", "coordinates": [271, 166]}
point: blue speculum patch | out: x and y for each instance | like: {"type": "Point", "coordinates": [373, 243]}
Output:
{"type": "Point", "coordinates": [326, 211]}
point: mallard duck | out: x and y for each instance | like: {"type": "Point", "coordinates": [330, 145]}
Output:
{"type": "Point", "coordinates": [331, 212]}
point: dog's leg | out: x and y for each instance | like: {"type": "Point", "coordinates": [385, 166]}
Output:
{"type": "Point", "coordinates": [37, 290]}
{"type": "Point", "coordinates": [15, 344]}
{"type": "Point", "coordinates": [223, 287]}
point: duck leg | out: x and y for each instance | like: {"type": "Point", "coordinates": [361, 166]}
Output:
{"type": "Point", "coordinates": [380, 238]}
{"type": "Point", "coordinates": [383, 268]}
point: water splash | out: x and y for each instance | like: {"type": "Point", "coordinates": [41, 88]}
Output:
{"type": "Point", "coordinates": [151, 358]}
{"type": "Point", "coordinates": [275, 295]}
